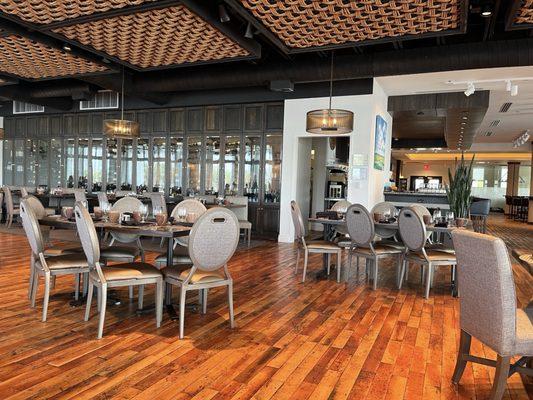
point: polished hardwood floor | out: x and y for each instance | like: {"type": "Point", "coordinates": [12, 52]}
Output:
{"type": "Point", "coordinates": [318, 340]}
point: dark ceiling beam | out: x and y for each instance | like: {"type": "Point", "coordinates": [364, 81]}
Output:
{"type": "Point", "coordinates": [20, 93]}
{"type": "Point", "coordinates": [490, 25]}
{"type": "Point", "coordinates": [208, 11]}
{"type": "Point", "coordinates": [417, 143]}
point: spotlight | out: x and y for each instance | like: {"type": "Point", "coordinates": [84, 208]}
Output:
{"type": "Point", "coordinates": [223, 13]}
{"type": "Point", "coordinates": [514, 90]}
{"type": "Point", "coordinates": [508, 85]}
{"type": "Point", "coordinates": [67, 47]}
{"type": "Point", "coordinates": [486, 11]}
{"type": "Point", "coordinates": [470, 89]}
{"type": "Point", "coordinates": [249, 33]}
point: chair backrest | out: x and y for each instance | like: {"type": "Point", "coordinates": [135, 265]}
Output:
{"type": "Point", "coordinates": [9, 199]}
{"type": "Point", "coordinates": [79, 195]}
{"type": "Point", "coordinates": [35, 204]}
{"type": "Point", "coordinates": [158, 201]}
{"type": "Point", "coordinates": [87, 234]}
{"type": "Point", "coordinates": [480, 207]}
{"type": "Point", "coordinates": [126, 204]}
{"type": "Point", "coordinates": [23, 192]}
{"type": "Point", "coordinates": [360, 225]}
{"type": "Point", "coordinates": [191, 205]}
{"type": "Point", "coordinates": [122, 193]}
{"type": "Point", "coordinates": [341, 206]}
{"type": "Point", "coordinates": [412, 229]}
{"type": "Point", "coordinates": [31, 227]}
{"type": "Point", "coordinates": [297, 221]}
{"type": "Point", "coordinates": [1, 201]}
{"type": "Point", "coordinates": [383, 208]}
{"type": "Point", "coordinates": [488, 298]}
{"type": "Point", "coordinates": [420, 210]}
{"type": "Point", "coordinates": [102, 199]}
{"type": "Point", "coordinates": [213, 239]}
{"type": "Point", "coordinates": [208, 198]}
{"type": "Point", "coordinates": [240, 212]}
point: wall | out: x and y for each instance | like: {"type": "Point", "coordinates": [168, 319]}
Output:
{"type": "Point", "coordinates": [439, 168]}
{"type": "Point", "coordinates": [1, 154]}
{"type": "Point", "coordinates": [365, 108]}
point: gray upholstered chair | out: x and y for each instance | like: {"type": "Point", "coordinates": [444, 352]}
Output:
{"type": "Point", "coordinates": [103, 201]}
{"type": "Point", "coordinates": [48, 267]}
{"type": "Point", "coordinates": [479, 212]}
{"type": "Point", "coordinates": [212, 242]}
{"type": "Point", "coordinates": [118, 275]}
{"type": "Point", "coordinates": [488, 308]}
{"type": "Point", "coordinates": [341, 230]}
{"type": "Point", "coordinates": [414, 236]}
{"type": "Point", "coordinates": [361, 229]}
{"type": "Point", "coordinates": [384, 208]}
{"type": "Point", "coordinates": [313, 247]}
{"type": "Point", "coordinates": [11, 210]}
{"type": "Point", "coordinates": [242, 214]}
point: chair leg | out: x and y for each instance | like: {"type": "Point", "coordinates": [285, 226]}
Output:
{"type": "Point", "coordinates": [329, 263]}
{"type": "Point", "coordinates": [32, 273]}
{"type": "Point", "coordinates": [85, 283]}
{"type": "Point", "coordinates": [249, 237]}
{"type": "Point", "coordinates": [141, 297]}
{"type": "Point", "coordinates": [76, 286]}
{"type": "Point", "coordinates": [403, 271]}
{"type": "Point", "coordinates": [98, 298]}
{"type": "Point", "coordinates": [46, 294]}
{"type": "Point", "coordinates": [306, 255]}
{"type": "Point", "coordinates": [130, 292]}
{"type": "Point", "coordinates": [339, 257]}
{"type": "Point", "coordinates": [399, 263]}
{"type": "Point", "coordinates": [429, 277]}
{"type": "Point", "coordinates": [159, 302]}
{"type": "Point", "coordinates": [183, 293]}
{"type": "Point", "coordinates": [230, 305]}
{"type": "Point", "coordinates": [204, 301]}
{"type": "Point", "coordinates": [103, 303]}
{"type": "Point", "coordinates": [503, 365]}
{"type": "Point", "coordinates": [89, 301]}
{"type": "Point", "coordinates": [375, 283]}
{"type": "Point", "coordinates": [297, 261]}
{"type": "Point", "coordinates": [168, 293]}
{"type": "Point", "coordinates": [464, 349]}
{"type": "Point", "coordinates": [357, 266]}
{"type": "Point", "coordinates": [34, 287]}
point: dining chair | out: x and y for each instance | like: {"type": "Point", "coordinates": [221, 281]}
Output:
{"type": "Point", "coordinates": [79, 195]}
{"type": "Point", "coordinates": [103, 201]}
{"type": "Point", "coordinates": [11, 210]}
{"type": "Point", "coordinates": [48, 267]}
{"type": "Point", "coordinates": [362, 233]}
{"type": "Point", "coordinates": [242, 215]}
{"type": "Point", "coordinates": [384, 207]}
{"type": "Point", "coordinates": [212, 242]}
{"type": "Point", "coordinates": [312, 247]}
{"type": "Point", "coordinates": [341, 207]}
{"type": "Point", "coordinates": [208, 198]}
{"type": "Point", "coordinates": [117, 275]}
{"type": "Point", "coordinates": [414, 236]}
{"type": "Point", "coordinates": [488, 309]}
{"type": "Point", "coordinates": [1, 205]}
{"type": "Point", "coordinates": [122, 193]}
{"type": "Point", "coordinates": [25, 190]}
{"type": "Point", "coordinates": [124, 253]}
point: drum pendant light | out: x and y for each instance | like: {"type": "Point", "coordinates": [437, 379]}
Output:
{"type": "Point", "coordinates": [121, 128]}
{"type": "Point", "coordinates": [330, 121]}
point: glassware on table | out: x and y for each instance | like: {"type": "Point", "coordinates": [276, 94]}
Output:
{"type": "Point", "coordinates": [437, 215]}
{"type": "Point", "coordinates": [450, 218]}
{"type": "Point", "coordinates": [144, 212]}
{"type": "Point", "coordinates": [182, 213]}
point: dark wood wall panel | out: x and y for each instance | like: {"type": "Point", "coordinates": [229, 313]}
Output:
{"type": "Point", "coordinates": [233, 118]}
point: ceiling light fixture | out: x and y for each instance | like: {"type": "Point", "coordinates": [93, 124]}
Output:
{"type": "Point", "coordinates": [508, 85]}
{"type": "Point", "coordinates": [249, 34]}
{"type": "Point", "coordinates": [67, 47]}
{"type": "Point", "coordinates": [121, 128]}
{"type": "Point", "coordinates": [522, 139]}
{"type": "Point", "coordinates": [486, 11]}
{"type": "Point", "coordinates": [514, 90]}
{"type": "Point", "coordinates": [470, 89]}
{"type": "Point", "coordinates": [331, 120]}
{"type": "Point", "coordinates": [223, 13]}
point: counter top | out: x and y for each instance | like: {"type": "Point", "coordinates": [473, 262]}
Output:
{"type": "Point", "coordinates": [414, 194]}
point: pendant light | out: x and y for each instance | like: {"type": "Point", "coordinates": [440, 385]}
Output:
{"type": "Point", "coordinates": [330, 121]}
{"type": "Point", "coordinates": [121, 128]}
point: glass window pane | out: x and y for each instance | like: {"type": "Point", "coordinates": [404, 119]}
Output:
{"type": "Point", "coordinates": [97, 164]}
{"type": "Point", "coordinates": [159, 149]}
{"type": "Point", "coordinates": [232, 149]}
{"type": "Point", "coordinates": [252, 160]}
{"type": "Point", "coordinates": [126, 164]}
{"type": "Point", "coordinates": [31, 160]}
{"type": "Point", "coordinates": [42, 162]}
{"type": "Point", "coordinates": [56, 163]}
{"type": "Point", "coordinates": [194, 147]}
{"type": "Point", "coordinates": [111, 163]}
{"type": "Point", "coordinates": [212, 165]}
{"type": "Point", "coordinates": [524, 180]}
{"type": "Point", "coordinates": [8, 162]}
{"type": "Point", "coordinates": [273, 168]}
{"type": "Point", "coordinates": [176, 165]}
{"type": "Point", "coordinates": [83, 163]}
{"type": "Point", "coordinates": [142, 164]}
{"type": "Point", "coordinates": [70, 151]}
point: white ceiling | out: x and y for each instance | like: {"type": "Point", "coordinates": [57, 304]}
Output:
{"type": "Point", "coordinates": [512, 124]}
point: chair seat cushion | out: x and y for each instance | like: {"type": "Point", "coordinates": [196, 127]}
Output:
{"type": "Point", "coordinates": [322, 245]}
{"type": "Point", "coordinates": [175, 271]}
{"type": "Point", "coordinates": [50, 211]}
{"type": "Point", "coordinates": [379, 249]}
{"type": "Point", "coordinates": [124, 271]}
{"type": "Point", "coordinates": [61, 250]}
{"type": "Point", "coordinates": [433, 255]}
{"type": "Point", "coordinates": [198, 277]}
{"type": "Point", "coordinates": [244, 224]}
{"type": "Point", "coordinates": [524, 332]}
{"type": "Point", "coordinates": [161, 260]}
{"type": "Point", "coordinates": [65, 261]}
{"type": "Point", "coordinates": [119, 252]}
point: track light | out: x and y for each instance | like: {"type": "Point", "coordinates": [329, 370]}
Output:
{"type": "Point", "coordinates": [470, 89]}
{"type": "Point", "coordinates": [223, 13]}
{"type": "Point", "coordinates": [67, 47]}
{"type": "Point", "coordinates": [249, 33]}
{"type": "Point", "coordinates": [508, 85]}
{"type": "Point", "coordinates": [486, 11]}
{"type": "Point", "coordinates": [522, 139]}
{"type": "Point", "coordinates": [514, 90]}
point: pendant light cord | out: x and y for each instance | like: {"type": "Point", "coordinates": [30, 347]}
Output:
{"type": "Point", "coordinates": [122, 96]}
{"type": "Point", "coordinates": [331, 80]}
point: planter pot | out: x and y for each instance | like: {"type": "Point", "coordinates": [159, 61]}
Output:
{"type": "Point", "coordinates": [461, 222]}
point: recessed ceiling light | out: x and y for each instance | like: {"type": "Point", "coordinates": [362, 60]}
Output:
{"type": "Point", "coordinates": [486, 11]}
{"type": "Point", "coordinates": [67, 47]}
{"type": "Point", "coordinates": [465, 117]}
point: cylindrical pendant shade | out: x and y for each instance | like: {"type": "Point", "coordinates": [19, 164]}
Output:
{"type": "Point", "coordinates": [329, 121]}
{"type": "Point", "coordinates": [121, 128]}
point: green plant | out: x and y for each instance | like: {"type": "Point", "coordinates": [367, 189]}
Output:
{"type": "Point", "coordinates": [459, 188]}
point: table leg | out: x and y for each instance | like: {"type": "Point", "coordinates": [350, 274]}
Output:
{"type": "Point", "coordinates": [170, 254]}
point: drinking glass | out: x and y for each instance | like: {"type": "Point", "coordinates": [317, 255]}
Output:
{"type": "Point", "coordinates": [144, 212]}
{"type": "Point", "coordinates": [182, 213]}
{"type": "Point", "coordinates": [449, 216]}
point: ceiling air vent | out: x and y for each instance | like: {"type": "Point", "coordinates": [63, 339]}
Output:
{"type": "Point", "coordinates": [103, 99]}
{"type": "Point", "coordinates": [505, 107]}
{"type": "Point", "coordinates": [488, 133]}
{"type": "Point", "coordinates": [496, 122]}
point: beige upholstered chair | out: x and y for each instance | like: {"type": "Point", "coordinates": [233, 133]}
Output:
{"type": "Point", "coordinates": [384, 208]}
{"type": "Point", "coordinates": [124, 253]}
{"type": "Point", "coordinates": [313, 247]}
{"type": "Point", "coordinates": [159, 202]}
{"type": "Point", "coordinates": [48, 267]}
{"type": "Point", "coordinates": [488, 308]}
{"type": "Point", "coordinates": [341, 207]}
{"type": "Point", "coordinates": [118, 275]}
{"type": "Point", "coordinates": [242, 214]}
{"type": "Point", "coordinates": [122, 193]}
{"type": "Point", "coordinates": [79, 195]}
{"type": "Point", "coordinates": [1, 204]}
{"type": "Point", "coordinates": [212, 242]}
{"type": "Point", "coordinates": [360, 226]}
{"type": "Point", "coordinates": [413, 232]}
{"type": "Point", "coordinates": [103, 201]}
{"type": "Point", "coordinates": [26, 190]}
{"type": "Point", "coordinates": [11, 210]}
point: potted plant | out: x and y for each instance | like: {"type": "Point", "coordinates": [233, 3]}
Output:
{"type": "Point", "coordinates": [458, 190]}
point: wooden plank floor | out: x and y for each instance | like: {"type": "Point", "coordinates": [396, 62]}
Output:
{"type": "Point", "coordinates": [318, 340]}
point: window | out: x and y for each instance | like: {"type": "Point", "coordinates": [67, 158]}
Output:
{"type": "Point", "coordinates": [232, 147]}
{"type": "Point", "coordinates": [111, 150]}
{"type": "Point", "coordinates": [103, 99]}
{"type": "Point", "coordinates": [18, 162]}
{"type": "Point", "coordinates": [56, 162]}
{"type": "Point", "coordinates": [252, 159]}
{"type": "Point", "coordinates": [97, 175]}
{"type": "Point", "coordinates": [8, 162]}
{"type": "Point", "coordinates": [143, 158]}
{"type": "Point", "coordinates": [272, 168]}
{"type": "Point", "coordinates": [212, 165]}
{"type": "Point", "coordinates": [126, 164]}
{"type": "Point", "coordinates": [194, 165]}
{"type": "Point", "coordinates": [41, 162]}
{"type": "Point", "coordinates": [176, 165]}
{"type": "Point", "coordinates": [21, 107]}
{"type": "Point", "coordinates": [83, 163]}
{"type": "Point", "coordinates": [159, 150]}
{"type": "Point", "coordinates": [70, 153]}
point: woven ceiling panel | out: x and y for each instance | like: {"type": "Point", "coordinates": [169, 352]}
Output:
{"type": "Point", "coordinates": [524, 15]}
{"type": "Point", "coordinates": [45, 12]}
{"type": "Point", "coordinates": [156, 38]}
{"type": "Point", "coordinates": [25, 58]}
{"type": "Point", "coordinates": [304, 23]}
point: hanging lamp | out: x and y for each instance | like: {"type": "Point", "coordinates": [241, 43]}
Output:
{"type": "Point", "coordinates": [330, 121]}
{"type": "Point", "coordinates": [121, 128]}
